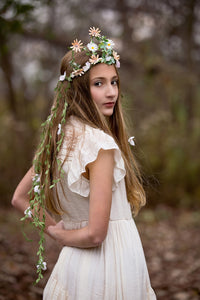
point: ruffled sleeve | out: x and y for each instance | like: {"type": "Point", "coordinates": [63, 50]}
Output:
{"type": "Point", "coordinates": [86, 151]}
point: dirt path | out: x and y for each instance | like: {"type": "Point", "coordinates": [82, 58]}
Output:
{"type": "Point", "coordinates": [171, 240]}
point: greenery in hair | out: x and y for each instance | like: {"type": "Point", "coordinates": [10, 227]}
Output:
{"type": "Point", "coordinates": [36, 211]}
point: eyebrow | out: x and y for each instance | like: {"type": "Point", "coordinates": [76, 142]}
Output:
{"type": "Point", "coordinates": [95, 78]}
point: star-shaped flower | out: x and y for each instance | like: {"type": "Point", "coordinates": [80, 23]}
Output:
{"type": "Point", "coordinates": [94, 59]}
{"type": "Point", "coordinates": [77, 45]}
{"type": "Point", "coordinates": [94, 32]}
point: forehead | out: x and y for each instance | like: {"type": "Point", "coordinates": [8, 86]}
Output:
{"type": "Point", "coordinates": [103, 70]}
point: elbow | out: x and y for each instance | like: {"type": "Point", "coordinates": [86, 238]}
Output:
{"type": "Point", "coordinates": [97, 238]}
{"type": "Point", "coordinates": [14, 202]}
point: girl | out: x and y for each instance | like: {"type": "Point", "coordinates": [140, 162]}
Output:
{"type": "Point", "coordinates": [85, 172]}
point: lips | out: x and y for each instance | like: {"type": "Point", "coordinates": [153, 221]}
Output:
{"type": "Point", "coordinates": [109, 104]}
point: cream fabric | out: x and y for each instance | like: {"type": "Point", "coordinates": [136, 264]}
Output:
{"type": "Point", "coordinates": [116, 270]}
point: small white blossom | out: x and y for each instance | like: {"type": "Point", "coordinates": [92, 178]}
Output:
{"type": "Point", "coordinates": [62, 77]}
{"type": "Point", "coordinates": [110, 44]}
{"type": "Point", "coordinates": [86, 67]}
{"type": "Point", "coordinates": [36, 178]}
{"type": "Point", "coordinates": [108, 58]}
{"type": "Point", "coordinates": [92, 46]}
{"type": "Point", "coordinates": [43, 266]}
{"type": "Point", "coordinates": [37, 189]}
{"type": "Point", "coordinates": [117, 64]}
{"type": "Point", "coordinates": [28, 212]}
{"type": "Point", "coordinates": [131, 141]}
{"type": "Point", "coordinates": [59, 129]}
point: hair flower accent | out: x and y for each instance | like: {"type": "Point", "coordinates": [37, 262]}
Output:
{"type": "Point", "coordinates": [77, 45]}
{"type": "Point", "coordinates": [116, 56]}
{"type": "Point", "coordinates": [43, 266]}
{"type": "Point", "coordinates": [94, 59]}
{"type": "Point", "coordinates": [28, 212]}
{"type": "Point", "coordinates": [86, 67]}
{"type": "Point", "coordinates": [37, 189]}
{"type": "Point", "coordinates": [62, 77]}
{"type": "Point", "coordinates": [92, 46]}
{"type": "Point", "coordinates": [131, 141]}
{"type": "Point", "coordinates": [59, 129]}
{"type": "Point", "coordinates": [94, 32]}
{"type": "Point", "coordinates": [110, 44]}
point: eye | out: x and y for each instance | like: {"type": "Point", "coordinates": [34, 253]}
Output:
{"type": "Point", "coordinates": [114, 82]}
{"type": "Point", "coordinates": [98, 83]}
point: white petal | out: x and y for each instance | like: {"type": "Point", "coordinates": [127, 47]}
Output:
{"type": "Point", "coordinates": [131, 141]}
{"type": "Point", "coordinates": [28, 212]}
{"type": "Point", "coordinates": [59, 129]}
{"type": "Point", "coordinates": [37, 189]}
{"type": "Point", "coordinates": [86, 67]}
{"type": "Point", "coordinates": [117, 64]}
{"type": "Point", "coordinates": [62, 77]}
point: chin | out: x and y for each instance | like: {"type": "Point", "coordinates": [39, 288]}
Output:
{"type": "Point", "coordinates": [108, 113]}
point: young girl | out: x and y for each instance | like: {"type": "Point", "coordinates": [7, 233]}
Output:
{"type": "Point", "coordinates": [85, 172]}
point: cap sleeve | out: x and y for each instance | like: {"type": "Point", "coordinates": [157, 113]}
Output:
{"type": "Point", "coordinates": [86, 151]}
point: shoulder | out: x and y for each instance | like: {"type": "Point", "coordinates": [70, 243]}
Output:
{"type": "Point", "coordinates": [85, 134]}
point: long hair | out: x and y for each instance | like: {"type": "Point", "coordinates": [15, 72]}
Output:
{"type": "Point", "coordinates": [80, 104]}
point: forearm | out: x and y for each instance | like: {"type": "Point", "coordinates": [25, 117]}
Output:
{"type": "Point", "coordinates": [80, 238]}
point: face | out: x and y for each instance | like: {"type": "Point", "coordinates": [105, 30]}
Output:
{"type": "Point", "coordinates": [104, 87]}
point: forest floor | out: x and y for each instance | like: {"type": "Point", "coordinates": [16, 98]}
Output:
{"type": "Point", "coordinates": [171, 241]}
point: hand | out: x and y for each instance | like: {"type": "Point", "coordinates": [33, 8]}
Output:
{"type": "Point", "coordinates": [56, 231]}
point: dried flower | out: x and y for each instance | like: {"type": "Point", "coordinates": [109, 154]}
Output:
{"type": "Point", "coordinates": [94, 59]}
{"type": "Point", "coordinates": [77, 45]}
{"type": "Point", "coordinates": [94, 32]}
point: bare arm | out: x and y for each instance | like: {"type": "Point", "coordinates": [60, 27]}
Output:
{"type": "Point", "coordinates": [20, 198]}
{"type": "Point", "coordinates": [101, 179]}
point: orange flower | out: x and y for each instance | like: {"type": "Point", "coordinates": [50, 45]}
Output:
{"type": "Point", "coordinates": [77, 45]}
{"type": "Point", "coordinates": [94, 31]}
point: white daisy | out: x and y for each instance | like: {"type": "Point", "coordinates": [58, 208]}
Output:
{"type": "Point", "coordinates": [110, 44]}
{"type": "Point", "coordinates": [92, 46]}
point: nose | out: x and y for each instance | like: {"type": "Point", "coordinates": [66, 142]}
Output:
{"type": "Point", "coordinates": [111, 90]}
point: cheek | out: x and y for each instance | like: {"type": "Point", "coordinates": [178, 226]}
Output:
{"type": "Point", "coordinates": [95, 95]}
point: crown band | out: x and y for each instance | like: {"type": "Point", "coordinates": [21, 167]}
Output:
{"type": "Point", "coordinates": [102, 44]}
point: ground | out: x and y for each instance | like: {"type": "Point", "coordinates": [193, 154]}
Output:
{"type": "Point", "coordinates": [171, 241]}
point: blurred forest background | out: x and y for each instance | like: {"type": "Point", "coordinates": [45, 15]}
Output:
{"type": "Point", "coordinates": [159, 44]}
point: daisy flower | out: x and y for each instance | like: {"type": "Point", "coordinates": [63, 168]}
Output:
{"type": "Point", "coordinates": [86, 67]}
{"type": "Point", "coordinates": [94, 59]}
{"type": "Point", "coordinates": [94, 31]}
{"type": "Point", "coordinates": [77, 45]}
{"type": "Point", "coordinates": [110, 44]}
{"type": "Point", "coordinates": [92, 46]}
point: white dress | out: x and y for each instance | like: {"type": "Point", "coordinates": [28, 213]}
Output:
{"type": "Point", "coordinates": [115, 270]}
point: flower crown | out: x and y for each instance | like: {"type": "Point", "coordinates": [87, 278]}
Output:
{"type": "Point", "coordinates": [109, 56]}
